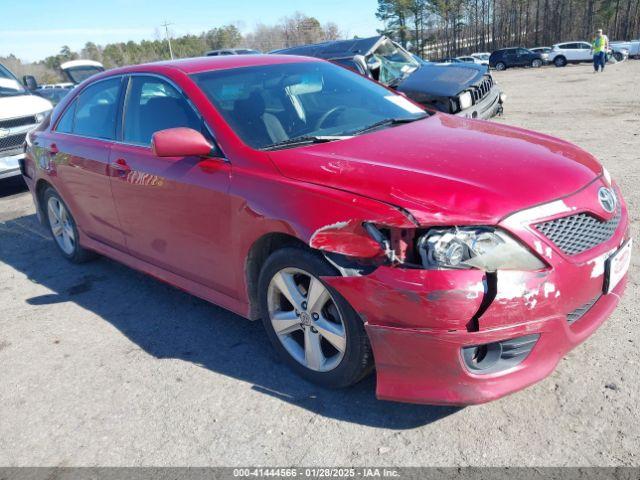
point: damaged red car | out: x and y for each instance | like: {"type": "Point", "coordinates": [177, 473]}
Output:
{"type": "Point", "coordinates": [459, 258]}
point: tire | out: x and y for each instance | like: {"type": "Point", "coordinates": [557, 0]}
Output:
{"type": "Point", "coordinates": [536, 63]}
{"type": "Point", "coordinates": [298, 337]}
{"type": "Point", "coordinates": [501, 66]}
{"type": "Point", "coordinates": [618, 56]}
{"type": "Point", "coordinates": [63, 228]}
{"type": "Point", "coordinates": [560, 62]}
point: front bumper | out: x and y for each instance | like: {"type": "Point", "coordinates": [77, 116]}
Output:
{"type": "Point", "coordinates": [487, 108]}
{"type": "Point", "coordinates": [418, 321]}
{"type": "Point", "coordinates": [10, 165]}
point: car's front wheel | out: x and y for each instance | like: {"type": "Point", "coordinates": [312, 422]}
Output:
{"type": "Point", "coordinates": [63, 228]}
{"type": "Point", "coordinates": [560, 62]}
{"type": "Point", "coordinates": [315, 330]}
{"type": "Point", "coordinates": [500, 66]}
{"type": "Point", "coordinates": [536, 63]}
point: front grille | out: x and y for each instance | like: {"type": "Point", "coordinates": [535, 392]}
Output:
{"type": "Point", "coordinates": [12, 144]}
{"type": "Point", "coordinates": [482, 89]}
{"type": "Point", "coordinates": [18, 122]}
{"type": "Point", "coordinates": [579, 312]}
{"type": "Point", "coordinates": [578, 233]}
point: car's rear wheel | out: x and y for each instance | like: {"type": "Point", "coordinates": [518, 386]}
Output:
{"type": "Point", "coordinates": [63, 228]}
{"type": "Point", "coordinates": [560, 62]}
{"type": "Point", "coordinates": [536, 63]}
{"type": "Point", "coordinates": [314, 329]}
{"type": "Point", "coordinates": [500, 66]}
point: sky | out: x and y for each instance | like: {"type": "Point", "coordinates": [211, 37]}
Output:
{"type": "Point", "coordinates": [35, 29]}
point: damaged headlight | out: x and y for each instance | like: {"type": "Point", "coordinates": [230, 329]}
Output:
{"type": "Point", "coordinates": [484, 248]}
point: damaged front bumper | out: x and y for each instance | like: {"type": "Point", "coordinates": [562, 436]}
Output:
{"type": "Point", "coordinates": [488, 107]}
{"type": "Point", "coordinates": [431, 330]}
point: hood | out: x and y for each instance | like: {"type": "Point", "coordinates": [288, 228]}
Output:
{"type": "Point", "coordinates": [446, 169]}
{"type": "Point", "coordinates": [433, 80]}
{"type": "Point", "coordinates": [22, 106]}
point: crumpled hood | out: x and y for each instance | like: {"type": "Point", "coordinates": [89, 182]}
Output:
{"type": "Point", "coordinates": [446, 169]}
{"type": "Point", "coordinates": [433, 80]}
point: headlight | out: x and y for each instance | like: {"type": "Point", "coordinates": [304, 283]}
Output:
{"type": "Point", "coordinates": [483, 248]}
{"type": "Point", "coordinates": [466, 100]}
{"type": "Point", "coordinates": [41, 116]}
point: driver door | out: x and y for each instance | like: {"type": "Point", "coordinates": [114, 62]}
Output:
{"type": "Point", "coordinates": [175, 212]}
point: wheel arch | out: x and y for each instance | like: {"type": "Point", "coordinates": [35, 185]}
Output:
{"type": "Point", "coordinates": [259, 251]}
{"type": "Point", "coordinates": [40, 188]}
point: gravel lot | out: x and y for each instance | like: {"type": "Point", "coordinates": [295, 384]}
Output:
{"type": "Point", "coordinates": [100, 365]}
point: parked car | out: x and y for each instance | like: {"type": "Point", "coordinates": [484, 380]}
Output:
{"type": "Point", "coordinates": [482, 56]}
{"type": "Point", "coordinates": [618, 52]}
{"type": "Point", "coordinates": [633, 47]}
{"type": "Point", "coordinates": [543, 51]}
{"type": "Point", "coordinates": [515, 57]}
{"type": "Point", "coordinates": [76, 71]}
{"type": "Point", "coordinates": [364, 231]}
{"type": "Point", "coordinates": [462, 89]}
{"type": "Point", "coordinates": [449, 60]}
{"type": "Point", "coordinates": [20, 111]}
{"type": "Point", "coordinates": [580, 52]}
{"type": "Point", "coordinates": [232, 51]}
{"type": "Point", "coordinates": [470, 59]}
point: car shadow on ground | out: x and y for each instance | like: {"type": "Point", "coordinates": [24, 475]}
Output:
{"type": "Point", "coordinates": [168, 323]}
{"type": "Point", "coordinates": [11, 186]}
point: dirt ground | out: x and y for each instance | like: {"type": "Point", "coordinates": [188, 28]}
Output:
{"type": "Point", "coordinates": [100, 365]}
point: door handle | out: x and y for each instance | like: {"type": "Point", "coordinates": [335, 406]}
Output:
{"type": "Point", "coordinates": [121, 167]}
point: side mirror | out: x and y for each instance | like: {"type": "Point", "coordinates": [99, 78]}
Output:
{"type": "Point", "coordinates": [180, 142]}
{"type": "Point", "coordinates": [29, 81]}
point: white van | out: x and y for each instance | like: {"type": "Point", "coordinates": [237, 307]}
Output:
{"type": "Point", "coordinates": [20, 111]}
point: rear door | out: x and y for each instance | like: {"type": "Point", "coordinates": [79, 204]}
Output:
{"type": "Point", "coordinates": [79, 146]}
{"type": "Point", "coordinates": [175, 210]}
{"type": "Point", "coordinates": [510, 57]}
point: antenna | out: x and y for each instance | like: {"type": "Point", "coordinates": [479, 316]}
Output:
{"type": "Point", "coordinates": [166, 31]}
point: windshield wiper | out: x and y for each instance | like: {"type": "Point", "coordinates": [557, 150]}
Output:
{"type": "Point", "coordinates": [305, 140]}
{"type": "Point", "coordinates": [388, 122]}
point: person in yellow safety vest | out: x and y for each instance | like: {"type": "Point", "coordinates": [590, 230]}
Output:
{"type": "Point", "coordinates": [600, 46]}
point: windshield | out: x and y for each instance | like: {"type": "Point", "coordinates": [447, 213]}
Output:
{"type": "Point", "coordinates": [272, 104]}
{"type": "Point", "coordinates": [80, 74]}
{"type": "Point", "coordinates": [9, 85]}
{"type": "Point", "coordinates": [482, 56]}
{"type": "Point", "coordinates": [390, 63]}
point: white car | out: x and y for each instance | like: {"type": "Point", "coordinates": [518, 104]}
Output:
{"type": "Point", "coordinates": [483, 57]}
{"type": "Point", "coordinates": [633, 47]}
{"type": "Point", "coordinates": [570, 52]}
{"type": "Point", "coordinates": [471, 59]}
{"type": "Point", "coordinates": [579, 52]}
{"type": "Point", "coordinates": [543, 51]}
{"type": "Point", "coordinates": [20, 112]}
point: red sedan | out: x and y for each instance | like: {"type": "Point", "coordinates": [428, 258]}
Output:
{"type": "Point", "coordinates": [460, 258]}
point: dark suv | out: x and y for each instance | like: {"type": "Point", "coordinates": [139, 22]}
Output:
{"type": "Point", "coordinates": [515, 57]}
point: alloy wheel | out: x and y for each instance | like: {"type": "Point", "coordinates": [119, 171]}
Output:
{"type": "Point", "coordinates": [61, 226]}
{"type": "Point", "coordinates": [306, 319]}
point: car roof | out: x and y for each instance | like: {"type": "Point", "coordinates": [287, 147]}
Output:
{"type": "Point", "coordinates": [205, 64]}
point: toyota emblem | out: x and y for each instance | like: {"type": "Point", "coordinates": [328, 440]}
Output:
{"type": "Point", "coordinates": [607, 199]}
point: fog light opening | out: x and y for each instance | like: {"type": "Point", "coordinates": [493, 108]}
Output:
{"type": "Point", "coordinates": [498, 356]}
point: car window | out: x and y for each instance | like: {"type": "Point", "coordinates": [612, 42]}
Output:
{"type": "Point", "coordinates": [96, 110]}
{"type": "Point", "coordinates": [317, 98]}
{"type": "Point", "coordinates": [585, 45]}
{"type": "Point", "coordinates": [153, 104]}
{"type": "Point", "coordinates": [65, 124]}
{"type": "Point", "coordinates": [523, 51]}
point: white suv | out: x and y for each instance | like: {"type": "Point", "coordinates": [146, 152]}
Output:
{"type": "Point", "coordinates": [20, 111]}
{"type": "Point", "coordinates": [570, 52]}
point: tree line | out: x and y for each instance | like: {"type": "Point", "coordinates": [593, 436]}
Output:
{"type": "Point", "coordinates": [297, 29]}
{"type": "Point", "coordinates": [443, 28]}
